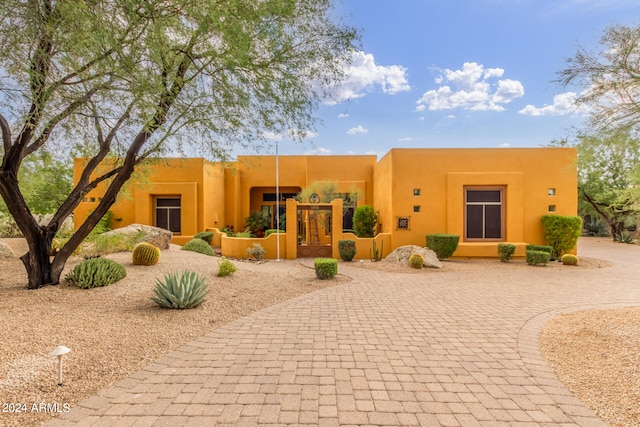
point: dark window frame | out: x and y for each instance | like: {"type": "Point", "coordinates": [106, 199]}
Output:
{"type": "Point", "coordinates": [487, 207]}
{"type": "Point", "coordinates": [166, 205]}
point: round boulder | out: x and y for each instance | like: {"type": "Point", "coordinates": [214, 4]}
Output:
{"type": "Point", "coordinates": [402, 254]}
{"type": "Point", "coordinates": [156, 236]}
{"type": "Point", "coordinates": [6, 251]}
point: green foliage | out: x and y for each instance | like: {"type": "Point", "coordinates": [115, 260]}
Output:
{"type": "Point", "coordinates": [326, 268]}
{"type": "Point", "coordinates": [416, 261]}
{"type": "Point", "coordinates": [8, 226]}
{"type": "Point", "coordinates": [624, 237]}
{"type": "Point", "coordinates": [198, 245]}
{"type": "Point", "coordinates": [145, 254]}
{"type": "Point", "coordinates": [257, 222]}
{"type": "Point", "coordinates": [347, 249]}
{"type": "Point", "coordinates": [596, 228]}
{"type": "Point", "coordinates": [561, 233]}
{"type": "Point", "coordinates": [243, 235]}
{"type": "Point", "coordinates": [207, 236]}
{"type": "Point", "coordinates": [444, 245]}
{"type": "Point", "coordinates": [375, 254]}
{"type": "Point", "coordinates": [569, 259]}
{"type": "Point", "coordinates": [547, 249]}
{"type": "Point", "coordinates": [537, 257]}
{"type": "Point", "coordinates": [256, 252]}
{"type": "Point", "coordinates": [506, 251]}
{"type": "Point", "coordinates": [95, 272]}
{"type": "Point", "coordinates": [103, 225]}
{"type": "Point", "coordinates": [364, 221]}
{"type": "Point", "coordinates": [226, 267]}
{"type": "Point", "coordinates": [184, 290]}
{"type": "Point", "coordinates": [107, 243]}
{"type": "Point", "coordinates": [271, 231]}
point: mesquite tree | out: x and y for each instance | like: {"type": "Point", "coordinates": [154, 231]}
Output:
{"type": "Point", "coordinates": [126, 80]}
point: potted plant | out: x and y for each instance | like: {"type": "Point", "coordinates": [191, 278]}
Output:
{"type": "Point", "coordinates": [256, 222]}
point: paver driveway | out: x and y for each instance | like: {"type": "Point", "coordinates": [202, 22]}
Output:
{"type": "Point", "coordinates": [442, 349]}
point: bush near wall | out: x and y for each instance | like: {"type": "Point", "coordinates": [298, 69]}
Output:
{"type": "Point", "coordinates": [444, 245]}
{"type": "Point", "coordinates": [561, 232]}
{"type": "Point", "coordinates": [326, 268]}
{"type": "Point", "coordinates": [347, 249]}
{"type": "Point", "coordinates": [207, 236]}
{"type": "Point", "coordinates": [364, 221]}
{"type": "Point", "coordinates": [547, 249]}
{"type": "Point", "coordinates": [537, 257]}
{"type": "Point", "coordinates": [506, 251]}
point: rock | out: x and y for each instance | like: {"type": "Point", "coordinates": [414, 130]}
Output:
{"type": "Point", "coordinates": [401, 256]}
{"type": "Point", "coordinates": [5, 251]}
{"type": "Point", "coordinates": [154, 235]}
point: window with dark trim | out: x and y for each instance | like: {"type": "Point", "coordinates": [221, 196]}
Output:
{"type": "Point", "coordinates": [484, 213]}
{"type": "Point", "coordinates": [169, 213]}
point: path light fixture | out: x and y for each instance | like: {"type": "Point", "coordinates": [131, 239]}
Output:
{"type": "Point", "coordinates": [59, 352]}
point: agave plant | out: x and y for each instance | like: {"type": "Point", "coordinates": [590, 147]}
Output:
{"type": "Point", "coordinates": [181, 290]}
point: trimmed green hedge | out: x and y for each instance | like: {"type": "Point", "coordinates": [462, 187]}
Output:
{"type": "Point", "coordinates": [537, 257]}
{"type": "Point", "coordinates": [506, 251]}
{"type": "Point", "coordinates": [547, 249]}
{"type": "Point", "coordinates": [444, 245]}
{"type": "Point", "coordinates": [347, 249]}
{"type": "Point", "coordinates": [326, 268]}
{"type": "Point", "coordinates": [561, 233]}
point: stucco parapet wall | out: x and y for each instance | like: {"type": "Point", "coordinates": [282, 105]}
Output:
{"type": "Point", "coordinates": [236, 247]}
{"type": "Point", "coordinates": [486, 249]}
{"type": "Point", "coordinates": [365, 244]}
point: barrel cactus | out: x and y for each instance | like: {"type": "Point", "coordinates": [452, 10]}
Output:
{"type": "Point", "coordinates": [180, 290]}
{"type": "Point", "coordinates": [146, 254]}
{"type": "Point", "coordinates": [416, 261]}
{"type": "Point", "coordinates": [95, 272]}
{"type": "Point", "coordinates": [569, 259]}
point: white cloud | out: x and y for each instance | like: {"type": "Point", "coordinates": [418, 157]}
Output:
{"type": "Point", "coordinates": [405, 139]}
{"type": "Point", "coordinates": [356, 130]}
{"type": "Point", "coordinates": [320, 151]}
{"type": "Point", "coordinates": [470, 89]}
{"type": "Point", "coordinates": [364, 75]}
{"type": "Point", "coordinates": [291, 134]}
{"type": "Point", "coordinates": [562, 104]}
{"type": "Point", "coordinates": [505, 145]}
{"type": "Point", "coordinates": [343, 115]}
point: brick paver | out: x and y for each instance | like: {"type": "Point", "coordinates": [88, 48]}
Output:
{"type": "Point", "coordinates": [432, 349]}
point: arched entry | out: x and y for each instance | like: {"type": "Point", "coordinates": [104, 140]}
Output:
{"type": "Point", "coordinates": [314, 226]}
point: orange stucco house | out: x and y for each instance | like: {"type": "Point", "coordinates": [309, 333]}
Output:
{"type": "Point", "coordinates": [484, 195]}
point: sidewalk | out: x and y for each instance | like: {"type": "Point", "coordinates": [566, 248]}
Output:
{"type": "Point", "coordinates": [443, 349]}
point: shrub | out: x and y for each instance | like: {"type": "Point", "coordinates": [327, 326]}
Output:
{"type": "Point", "coordinates": [547, 249]}
{"type": "Point", "coordinates": [198, 245]}
{"type": "Point", "coordinates": [243, 234]}
{"type": "Point", "coordinates": [444, 245]}
{"type": "Point", "coordinates": [416, 261]}
{"type": "Point", "coordinates": [364, 220]}
{"type": "Point", "coordinates": [561, 232]}
{"type": "Point", "coordinates": [347, 249]}
{"type": "Point", "coordinates": [8, 226]}
{"type": "Point", "coordinates": [326, 268]}
{"type": "Point", "coordinates": [256, 251]}
{"type": "Point", "coordinates": [145, 254]}
{"type": "Point", "coordinates": [506, 251]}
{"type": "Point", "coordinates": [537, 257]}
{"type": "Point", "coordinates": [95, 272]}
{"type": "Point", "coordinates": [624, 237]}
{"type": "Point", "coordinates": [184, 290]}
{"type": "Point", "coordinates": [207, 236]}
{"type": "Point", "coordinates": [226, 268]}
{"type": "Point", "coordinates": [102, 244]}
{"type": "Point", "coordinates": [569, 259]}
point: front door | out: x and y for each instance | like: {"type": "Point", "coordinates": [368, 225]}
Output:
{"type": "Point", "coordinates": [314, 232]}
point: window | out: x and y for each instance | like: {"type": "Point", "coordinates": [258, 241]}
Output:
{"type": "Point", "coordinates": [416, 191]}
{"type": "Point", "coordinates": [484, 213]}
{"type": "Point", "coordinates": [551, 192]}
{"type": "Point", "coordinates": [416, 208]}
{"type": "Point", "coordinates": [169, 213]}
{"type": "Point", "coordinates": [403, 222]}
{"type": "Point", "coordinates": [552, 208]}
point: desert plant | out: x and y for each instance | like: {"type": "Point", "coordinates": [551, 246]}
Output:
{"type": "Point", "coordinates": [226, 267]}
{"type": "Point", "coordinates": [243, 234]}
{"type": "Point", "coordinates": [624, 237]}
{"type": "Point", "coordinates": [569, 259]}
{"type": "Point", "coordinates": [375, 254]}
{"type": "Point", "coordinates": [547, 249]}
{"type": "Point", "coordinates": [416, 261]}
{"type": "Point", "coordinates": [180, 290]}
{"type": "Point", "coordinates": [207, 236]}
{"type": "Point", "coordinates": [561, 233]}
{"type": "Point", "coordinates": [145, 254]}
{"type": "Point", "coordinates": [347, 249]}
{"type": "Point", "coordinates": [506, 251]}
{"type": "Point", "coordinates": [96, 272]}
{"type": "Point", "coordinates": [257, 222]}
{"type": "Point", "coordinates": [326, 268]}
{"type": "Point", "coordinates": [444, 245]}
{"type": "Point", "coordinates": [364, 221]}
{"type": "Point", "coordinates": [537, 257]}
{"type": "Point", "coordinates": [256, 251]}
{"type": "Point", "coordinates": [198, 245]}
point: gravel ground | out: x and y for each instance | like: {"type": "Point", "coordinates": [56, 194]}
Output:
{"type": "Point", "coordinates": [116, 330]}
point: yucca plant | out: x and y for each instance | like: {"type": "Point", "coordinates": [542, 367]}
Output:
{"type": "Point", "coordinates": [186, 289]}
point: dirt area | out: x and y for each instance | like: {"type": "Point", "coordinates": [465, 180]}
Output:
{"type": "Point", "coordinates": [116, 330]}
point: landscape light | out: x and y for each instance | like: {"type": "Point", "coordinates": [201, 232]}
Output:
{"type": "Point", "coordinates": [59, 352]}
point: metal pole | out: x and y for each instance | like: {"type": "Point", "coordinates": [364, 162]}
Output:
{"type": "Point", "coordinates": [277, 208]}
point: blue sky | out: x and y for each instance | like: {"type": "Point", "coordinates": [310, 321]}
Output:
{"type": "Point", "coordinates": [460, 73]}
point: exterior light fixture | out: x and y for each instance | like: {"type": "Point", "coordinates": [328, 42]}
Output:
{"type": "Point", "coordinates": [59, 352]}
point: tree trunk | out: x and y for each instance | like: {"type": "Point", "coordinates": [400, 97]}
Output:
{"type": "Point", "coordinates": [38, 262]}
